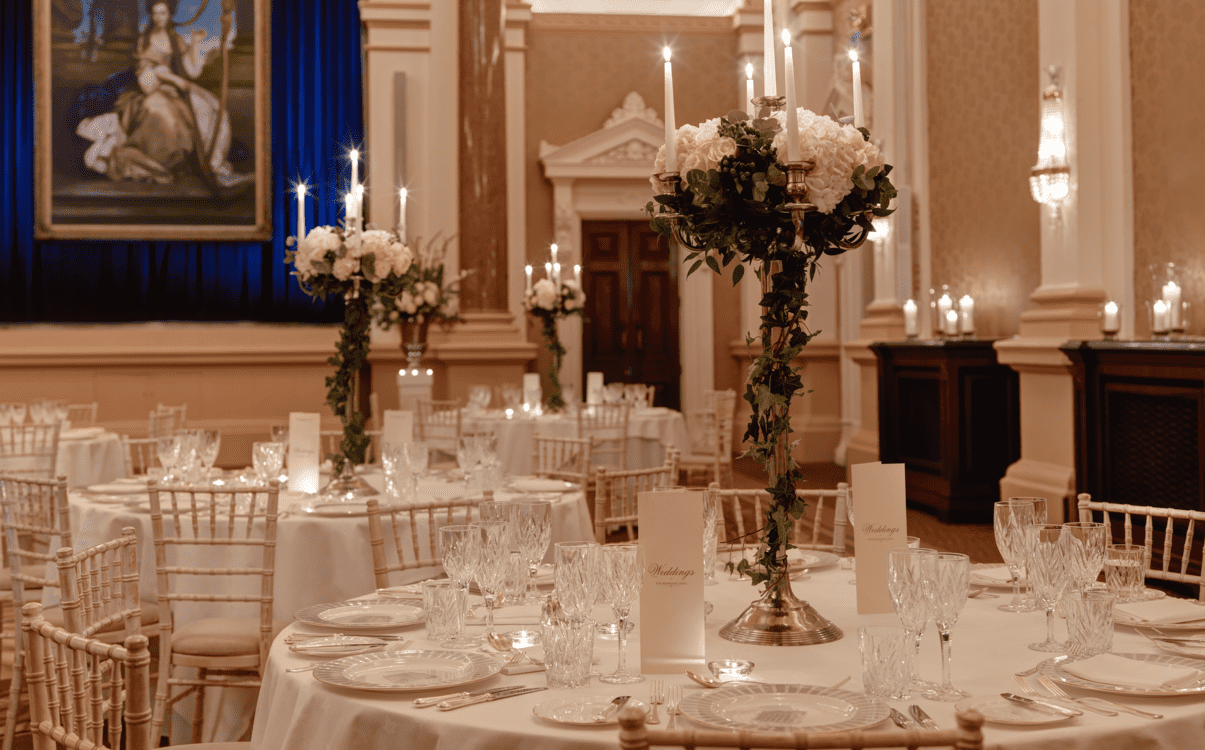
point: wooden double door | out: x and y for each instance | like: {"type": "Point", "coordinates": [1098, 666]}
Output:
{"type": "Point", "coordinates": [630, 276]}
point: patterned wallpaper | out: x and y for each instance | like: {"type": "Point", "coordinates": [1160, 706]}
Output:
{"type": "Point", "coordinates": [983, 138]}
{"type": "Point", "coordinates": [1167, 74]}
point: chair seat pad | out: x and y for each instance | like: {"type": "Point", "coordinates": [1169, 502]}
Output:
{"type": "Point", "coordinates": [221, 636]}
{"type": "Point", "coordinates": [150, 616]}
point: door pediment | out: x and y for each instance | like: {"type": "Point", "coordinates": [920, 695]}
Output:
{"type": "Point", "coordinates": [624, 148]}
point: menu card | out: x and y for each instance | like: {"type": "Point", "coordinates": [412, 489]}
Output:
{"type": "Point", "coordinates": [594, 388]}
{"type": "Point", "coordinates": [398, 428]}
{"type": "Point", "coordinates": [532, 394]}
{"type": "Point", "coordinates": [881, 524]}
{"type": "Point", "coordinates": [303, 452]}
{"type": "Point", "coordinates": [671, 599]}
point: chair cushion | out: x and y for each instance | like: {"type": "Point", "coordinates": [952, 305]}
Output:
{"type": "Point", "coordinates": [221, 636]}
{"type": "Point", "coordinates": [150, 616]}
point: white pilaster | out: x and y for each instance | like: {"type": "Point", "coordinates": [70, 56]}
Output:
{"type": "Point", "coordinates": [518, 16]}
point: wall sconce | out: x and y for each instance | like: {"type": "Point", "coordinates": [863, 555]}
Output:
{"type": "Point", "coordinates": [1050, 178]}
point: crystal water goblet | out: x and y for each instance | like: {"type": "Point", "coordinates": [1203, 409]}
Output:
{"type": "Point", "coordinates": [946, 582]}
{"type": "Point", "coordinates": [209, 444]}
{"type": "Point", "coordinates": [1049, 575]}
{"type": "Point", "coordinates": [493, 543]}
{"type": "Point", "coordinates": [459, 554]}
{"type": "Point", "coordinates": [905, 583]}
{"type": "Point", "coordinates": [577, 576]}
{"type": "Point", "coordinates": [1086, 542]}
{"type": "Point", "coordinates": [266, 459]}
{"type": "Point", "coordinates": [1010, 518]}
{"type": "Point", "coordinates": [418, 455]}
{"type": "Point", "coordinates": [1028, 603]}
{"type": "Point", "coordinates": [533, 533]}
{"type": "Point", "coordinates": [622, 575]}
{"type": "Point", "coordinates": [167, 450]}
{"type": "Point", "coordinates": [280, 434]}
{"type": "Point", "coordinates": [468, 453]}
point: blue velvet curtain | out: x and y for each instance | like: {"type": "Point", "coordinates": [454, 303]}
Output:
{"type": "Point", "coordinates": [316, 114]}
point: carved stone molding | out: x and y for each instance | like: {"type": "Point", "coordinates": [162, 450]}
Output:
{"type": "Point", "coordinates": [633, 106]}
{"type": "Point", "coordinates": [632, 151]}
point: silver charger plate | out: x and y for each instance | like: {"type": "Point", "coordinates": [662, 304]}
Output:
{"type": "Point", "coordinates": [408, 671]}
{"type": "Point", "coordinates": [582, 710]}
{"type": "Point", "coordinates": [756, 707]}
{"type": "Point", "coordinates": [1054, 669]}
{"type": "Point", "coordinates": [362, 614]}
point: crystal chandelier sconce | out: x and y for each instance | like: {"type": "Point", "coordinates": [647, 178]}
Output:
{"type": "Point", "coordinates": [1050, 178]}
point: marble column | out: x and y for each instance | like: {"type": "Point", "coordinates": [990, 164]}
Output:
{"type": "Point", "coordinates": [482, 147]}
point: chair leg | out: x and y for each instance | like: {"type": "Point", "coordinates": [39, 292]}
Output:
{"type": "Point", "coordinates": [198, 709]}
{"type": "Point", "coordinates": [14, 693]}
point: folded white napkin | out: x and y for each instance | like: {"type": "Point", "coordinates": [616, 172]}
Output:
{"type": "Point", "coordinates": [1111, 669]}
{"type": "Point", "coordinates": [998, 573]}
{"type": "Point", "coordinates": [1166, 611]}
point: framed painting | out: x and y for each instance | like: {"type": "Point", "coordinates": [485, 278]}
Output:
{"type": "Point", "coordinates": [151, 119]}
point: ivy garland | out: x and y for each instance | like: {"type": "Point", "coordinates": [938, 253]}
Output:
{"type": "Point", "coordinates": [739, 213]}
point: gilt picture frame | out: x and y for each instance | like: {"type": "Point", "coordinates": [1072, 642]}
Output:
{"type": "Point", "coordinates": [147, 125]}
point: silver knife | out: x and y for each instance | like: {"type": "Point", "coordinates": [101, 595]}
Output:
{"type": "Point", "coordinates": [511, 693]}
{"type": "Point", "coordinates": [921, 717]}
{"type": "Point", "coordinates": [901, 721]}
{"type": "Point", "coordinates": [431, 701]}
{"type": "Point", "coordinates": [1031, 702]}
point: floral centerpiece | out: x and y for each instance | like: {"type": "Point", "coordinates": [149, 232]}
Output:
{"type": "Point", "coordinates": [736, 199]}
{"type": "Point", "coordinates": [415, 299]}
{"type": "Point", "coordinates": [550, 300]}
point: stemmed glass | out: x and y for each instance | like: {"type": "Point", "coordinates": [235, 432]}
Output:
{"type": "Point", "coordinates": [1049, 574]}
{"type": "Point", "coordinates": [533, 534]}
{"type": "Point", "coordinates": [711, 514]}
{"type": "Point", "coordinates": [493, 543]}
{"type": "Point", "coordinates": [621, 572]}
{"type": "Point", "coordinates": [209, 442]}
{"type": "Point", "coordinates": [1086, 542]}
{"type": "Point", "coordinates": [266, 458]}
{"type": "Point", "coordinates": [280, 434]}
{"type": "Point", "coordinates": [1039, 516]}
{"type": "Point", "coordinates": [167, 450]}
{"type": "Point", "coordinates": [459, 554]}
{"type": "Point", "coordinates": [1010, 520]}
{"type": "Point", "coordinates": [417, 457]}
{"type": "Point", "coordinates": [946, 580]}
{"type": "Point", "coordinates": [905, 583]}
{"type": "Point", "coordinates": [576, 576]}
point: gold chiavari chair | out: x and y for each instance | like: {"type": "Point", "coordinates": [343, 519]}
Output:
{"type": "Point", "coordinates": [409, 527]}
{"type": "Point", "coordinates": [616, 494]}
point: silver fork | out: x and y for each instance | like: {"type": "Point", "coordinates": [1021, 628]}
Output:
{"type": "Point", "coordinates": [656, 698]}
{"type": "Point", "coordinates": [1060, 694]}
{"type": "Point", "coordinates": [1029, 690]}
{"type": "Point", "coordinates": [1055, 688]}
{"type": "Point", "coordinates": [671, 705]}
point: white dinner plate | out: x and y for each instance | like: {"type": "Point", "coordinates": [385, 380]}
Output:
{"type": "Point", "coordinates": [343, 510]}
{"type": "Point", "coordinates": [582, 710]}
{"type": "Point", "coordinates": [1195, 651]}
{"type": "Point", "coordinates": [1054, 669]}
{"type": "Point", "coordinates": [540, 484]}
{"type": "Point", "coordinates": [118, 488]}
{"type": "Point", "coordinates": [1121, 618]}
{"type": "Point", "coordinates": [978, 579]}
{"type": "Point", "coordinates": [337, 645]}
{"type": "Point", "coordinates": [362, 614]}
{"type": "Point", "coordinates": [783, 708]}
{"type": "Point", "coordinates": [408, 671]}
{"type": "Point", "coordinates": [1003, 711]}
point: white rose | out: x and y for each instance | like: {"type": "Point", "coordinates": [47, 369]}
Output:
{"type": "Point", "coordinates": [430, 293]}
{"type": "Point", "coordinates": [575, 297]}
{"type": "Point", "coordinates": [546, 296]}
{"type": "Point", "coordinates": [837, 151]}
{"type": "Point", "coordinates": [345, 267]}
{"type": "Point", "coordinates": [406, 303]}
{"type": "Point", "coordinates": [323, 239]}
{"type": "Point", "coordinates": [719, 148]}
{"type": "Point", "coordinates": [375, 241]}
{"type": "Point", "coordinates": [403, 258]}
{"type": "Point", "coordinates": [381, 266]}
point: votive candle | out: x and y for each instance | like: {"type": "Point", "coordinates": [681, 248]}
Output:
{"type": "Point", "coordinates": [1171, 295]}
{"type": "Point", "coordinates": [910, 319]}
{"type": "Point", "coordinates": [1110, 322]}
{"type": "Point", "coordinates": [671, 148]}
{"type": "Point", "coordinates": [951, 323]}
{"type": "Point", "coordinates": [966, 308]}
{"type": "Point", "coordinates": [1162, 320]}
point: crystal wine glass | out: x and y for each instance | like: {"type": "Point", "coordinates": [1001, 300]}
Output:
{"type": "Point", "coordinates": [209, 443]}
{"type": "Point", "coordinates": [418, 455]}
{"type": "Point", "coordinates": [459, 554]}
{"type": "Point", "coordinates": [493, 542]}
{"type": "Point", "coordinates": [533, 534]}
{"type": "Point", "coordinates": [1049, 575]}
{"type": "Point", "coordinates": [905, 583]}
{"type": "Point", "coordinates": [1086, 543]}
{"type": "Point", "coordinates": [1009, 522]}
{"type": "Point", "coordinates": [576, 576]}
{"type": "Point", "coordinates": [167, 450]}
{"type": "Point", "coordinates": [622, 574]}
{"type": "Point", "coordinates": [266, 458]}
{"type": "Point", "coordinates": [1039, 516]}
{"type": "Point", "coordinates": [946, 579]}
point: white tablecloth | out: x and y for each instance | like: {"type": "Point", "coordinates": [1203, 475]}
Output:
{"type": "Point", "coordinates": [89, 457]}
{"type": "Point", "coordinates": [648, 430]}
{"type": "Point", "coordinates": [295, 711]}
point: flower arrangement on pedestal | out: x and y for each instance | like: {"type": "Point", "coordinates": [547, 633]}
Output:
{"type": "Point", "coordinates": [551, 299]}
{"type": "Point", "coordinates": [415, 299]}
{"type": "Point", "coordinates": [738, 200]}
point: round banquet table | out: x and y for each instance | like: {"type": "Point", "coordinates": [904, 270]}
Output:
{"type": "Point", "coordinates": [650, 431]}
{"type": "Point", "coordinates": [295, 711]}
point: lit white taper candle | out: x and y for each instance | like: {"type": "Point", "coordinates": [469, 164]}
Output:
{"type": "Point", "coordinates": [528, 269]}
{"type": "Point", "coordinates": [556, 272]}
{"type": "Point", "coordinates": [349, 210]}
{"type": "Point", "coordinates": [671, 148]}
{"type": "Point", "coordinates": [301, 212]}
{"type": "Point", "coordinates": [554, 249]}
{"type": "Point", "coordinates": [749, 90]}
{"type": "Point", "coordinates": [355, 167]}
{"type": "Point", "coordinates": [358, 190]}
{"type": "Point", "coordinates": [788, 74]}
{"type": "Point", "coordinates": [401, 213]}
{"type": "Point", "coordinates": [577, 275]}
{"type": "Point", "coordinates": [859, 120]}
{"type": "Point", "coordinates": [770, 86]}
{"type": "Point", "coordinates": [548, 270]}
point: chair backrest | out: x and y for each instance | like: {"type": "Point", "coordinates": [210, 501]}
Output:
{"type": "Point", "coordinates": [186, 522]}
{"type": "Point", "coordinates": [330, 440]}
{"type": "Point", "coordinates": [82, 414]}
{"type": "Point", "coordinates": [616, 493]}
{"type": "Point", "coordinates": [166, 420]}
{"type": "Point", "coordinates": [29, 450]}
{"type": "Point", "coordinates": [100, 586]}
{"type": "Point", "coordinates": [639, 395]}
{"type": "Point", "coordinates": [77, 685]}
{"type": "Point", "coordinates": [409, 527]}
{"type": "Point", "coordinates": [561, 458]}
{"type": "Point", "coordinates": [607, 424]}
{"type": "Point", "coordinates": [634, 735]}
{"type": "Point", "coordinates": [821, 527]}
{"type": "Point", "coordinates": [439, 424]}
{"type": "Point", "coordinates": [1173, 559]}
{"type": "Point", "coordinates": [36, 516]}
{"type": "Point", "coordinates": [138, 455]}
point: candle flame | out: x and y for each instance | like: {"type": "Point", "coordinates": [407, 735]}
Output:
{"type": "Point", "coordinates": [359, 190]}
{"type": "Point", "coordinates": [853, 55]}
{"type": "Point", "coordinates": [786, 37]}
{"type": "Point", "coordinates": [665, 52]}
{"type": "Point", "coordinates": [554, 247]}
{"type": "Point", "coordinates": [301, 189]}
{"type": "Point", "coordinates": [1111, 308]}
{"type": "Point", "coordinates": [404, 193]}
{"type": "Point", "coordinates": [354, 154]}
{"type": "Point", "coordinates": [576, 268]}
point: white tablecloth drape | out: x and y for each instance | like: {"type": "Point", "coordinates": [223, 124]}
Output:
{"type": "Point", "coordinates": [89, 456]}
{"type": "Point", "coordinates": [649, 432]}
{"type": "Point", "coordinates": [297, 712]}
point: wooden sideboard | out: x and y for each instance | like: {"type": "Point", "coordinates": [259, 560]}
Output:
{"type": "Point", "coordinates": [951, 414]}
{"type": "Point", "coordinates": [1140, 421]}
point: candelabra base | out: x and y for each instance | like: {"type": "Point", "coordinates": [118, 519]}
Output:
{"type": "Point", "coordinates": [346, 487]}
{"type": "Point", "coordinates": [779, 618]}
